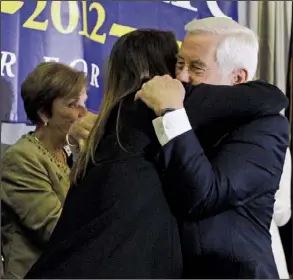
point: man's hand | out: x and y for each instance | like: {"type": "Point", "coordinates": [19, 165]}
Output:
{"type": "Point", "coordinates": [162, 92]}
{"type": "Point", "coordinates": [80, 130]}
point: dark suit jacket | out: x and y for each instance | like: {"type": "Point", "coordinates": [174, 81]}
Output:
{"type": "Point", "coordinates": [116, 222]}
{"type": "Point", "coordinates": [223, 194]}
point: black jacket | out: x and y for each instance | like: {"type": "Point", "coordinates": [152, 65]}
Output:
{"type": "Point", "coordinates": [116, 222]}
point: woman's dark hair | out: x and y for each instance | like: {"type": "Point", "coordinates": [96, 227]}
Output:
{"type": "Point", "coordinates": [135, 58]}
{"type": "Point", "coordinates": [48, 81]}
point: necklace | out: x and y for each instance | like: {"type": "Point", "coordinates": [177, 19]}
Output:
{"type": "Point", "coordinates": [59, 156]}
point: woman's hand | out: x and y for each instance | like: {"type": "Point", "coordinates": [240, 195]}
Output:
{"type": "Point", "coordinates": [80, 130]}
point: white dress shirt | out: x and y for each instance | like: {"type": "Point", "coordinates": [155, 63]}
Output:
{"type": "Point", "coordinates": [282, 214]}
{"type": "Point", "coordinates": [171, 125]}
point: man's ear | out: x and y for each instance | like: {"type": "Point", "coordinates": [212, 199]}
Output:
{"type": "Point", "coordinates": [239, 76]}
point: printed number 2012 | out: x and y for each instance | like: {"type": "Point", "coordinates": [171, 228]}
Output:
{"type": "Point", "coordinates": [32, 23]}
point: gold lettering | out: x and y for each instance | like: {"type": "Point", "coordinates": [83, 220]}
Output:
{"type": "Point", "coordinates": [10, 7]}
{"type": "Point", "coordinates": [119, 30]}
{"type": "Point", "coordinates": [73, 16]}
{"type": "Point", "coordinates": [31, 21]}
{"type": "Point", "coordinates": [101, 16]}
{"type": "Point", "coordinates": [84, 32]}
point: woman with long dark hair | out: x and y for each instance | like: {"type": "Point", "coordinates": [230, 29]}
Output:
{"type": "Point", "coordinates": [117, 222]}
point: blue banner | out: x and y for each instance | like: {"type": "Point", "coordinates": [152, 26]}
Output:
{"type": "Point", "coordinates": [81, 34]}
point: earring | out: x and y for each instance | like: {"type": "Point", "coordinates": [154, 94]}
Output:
{"type": "Point", "coordinates": [45, 123]}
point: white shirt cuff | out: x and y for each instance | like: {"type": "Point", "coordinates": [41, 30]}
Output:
{"type": "Point", "coordinates": [171, 125]}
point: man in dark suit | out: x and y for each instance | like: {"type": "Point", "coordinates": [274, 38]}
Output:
{"type": "Point", "coordinates": [221, 52]}
{"type": "Point", "coordinates": [222, 195]}
{"type": "Point", "coordinates": [223, 198]}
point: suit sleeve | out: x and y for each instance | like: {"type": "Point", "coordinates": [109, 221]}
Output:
{"type": "Point", "coordinates": [247, 165]}
{"type": "Point", "coordinates": [27, 190]}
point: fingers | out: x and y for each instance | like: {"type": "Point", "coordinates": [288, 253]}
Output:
{"type": "Point", "coordinates": [92, 117]}
{"type": "Point", "coordinates": [80, 131]}
{"type": "Point", "coordinates": [164, 76]}
{"type": "Point", "coordinates": [168, 77]}
{"type": "Point", "coordinates": [84, 134]}
{"type": "Point", "coordinates": [138, 95]}
{"type": "Point", "coordinates": [81, 144]}
{"type": "Point", "coordinates": [86, 125]}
